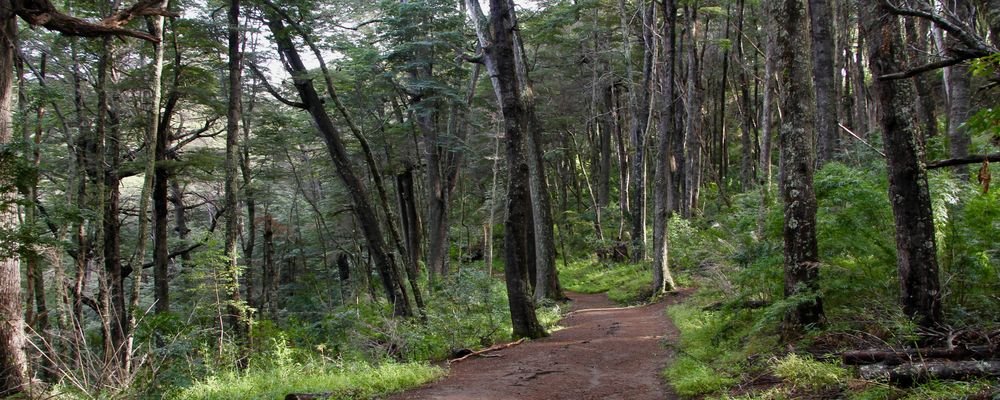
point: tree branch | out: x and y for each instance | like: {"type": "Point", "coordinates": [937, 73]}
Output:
{"type": "Point", "coordinates": [43, 13]}
{"type": "Point", "coordinates": [926, 67]}
{"type": "Point", "coordinates": [274, 92]}
{"type": "Point", "coordinates": [973, 159]}
{"type": "Point", "coordinates": [960, 33]}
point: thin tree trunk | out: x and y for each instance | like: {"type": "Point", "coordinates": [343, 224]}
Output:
{"type": "Point", "coordinates": [384, 260]}
{"type": "Point", "coordinates": [236, 318]}
{"type": "Point", "coordinates": [693, 131]}
{"type": "Point", "coordinates": [916, 35]}
{"type": "Point", "coordinates": [156, 29]}
{"type": "Point", "coordinates": [822, 34]}
{"type": "Point", "coordinates": [663, 281]}
{"type": "Point", "coordinates": [959, 94]}
{"type": "Point", "coordinates": [916, 258]}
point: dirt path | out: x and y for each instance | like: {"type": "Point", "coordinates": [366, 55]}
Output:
{"type": "Point", "coordinates": [602, 352]}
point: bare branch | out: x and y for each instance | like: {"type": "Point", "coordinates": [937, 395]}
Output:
{"type": "Point", "coordinates": [963, 35]}
{"type": "Point", "coordinates": [926, 67]}
{"type": "Point", "coordinates": [274, 92]}
{"type": "Point", "coordinates": [973, 159]}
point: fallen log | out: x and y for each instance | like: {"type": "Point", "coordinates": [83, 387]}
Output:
{"type": "Point", "coordinates": [742, 305]}
{"type": "Point", "coordinates": [896, 357]}
{"type": "Point", "coordinates": [487, 350]}
{"type": "Point", "coordinates": [911, 373]}
{"type": "Point", "coordinates": [308, 396]}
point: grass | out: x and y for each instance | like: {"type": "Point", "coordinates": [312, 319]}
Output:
{"type": "Point", "coordinates": [624, 283]}
{"type": "Point", "coordinates": [342, 381]}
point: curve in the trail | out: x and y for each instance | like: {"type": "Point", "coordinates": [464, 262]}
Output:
{"type": "Point", "coordinates": [602, 352]}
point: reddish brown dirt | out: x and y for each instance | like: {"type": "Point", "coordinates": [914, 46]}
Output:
{"type": "Point", "coordinates": [602, 352]}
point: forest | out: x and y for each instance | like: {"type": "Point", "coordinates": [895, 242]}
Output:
{"type": "Point", "coordinates": [309, 199]}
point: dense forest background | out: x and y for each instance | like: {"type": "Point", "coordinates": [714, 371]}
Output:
{"type": "Point", "coordinates": [196, 197]}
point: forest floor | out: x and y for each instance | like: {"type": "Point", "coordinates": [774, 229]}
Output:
{"type": "Point", "coordinates": [603, 351]}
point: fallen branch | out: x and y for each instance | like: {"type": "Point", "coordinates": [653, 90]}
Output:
{"type": "Point", "coordinates": [308, 396]}
{"type": "Point", "coordinates": [487, 350]}
{"type": "Point", "coordinates": [911, 373]}
{"type": "Point", "coordinates": [974, 159]}
{"type": "Point", "coordinates": [896, 357]}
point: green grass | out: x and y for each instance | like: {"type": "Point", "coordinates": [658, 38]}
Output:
{"type": "Point", "coordinates": [344, 381]}
{"type": "Point", "coordinates": [624, 283]}
{"type": "Point", "coordinates": [807, 373]}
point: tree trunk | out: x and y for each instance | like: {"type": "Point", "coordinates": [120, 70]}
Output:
{"type": "Point", "coordinates": [640, 121]}
{"type": "Point", "coordinates": [692, 133]}
{"type": "Point", "coordinates": [821, 22]}
{"type": "Point", "coordinates": [385, 261]}
{"type": "Point", "coordinates": [270, 277]}
{"type": "Point", "coordinates": [916, 249]}
{"type": "Point", "coordinates": [114, 310]}
{"type": "Point", "coordinates": [916, 35]}
{"type": "Point", "coordinates": [663, 281]}
{"type": "Point", "coordinates": [796, 140]}
{"type": "Point", "coordinates": [517, 225]}
{"type": "Point", "coordinates": [959, 94]}
{"type": "Point", "coordinates": [236, 318]}
{"type": "Point", "coordinates": [13, 362]}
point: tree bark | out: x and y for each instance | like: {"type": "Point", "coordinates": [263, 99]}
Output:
{"type": "Point", "coordinates": [13, 362]}
{"type": "Point", "coordinates": [916, 249]}
{"type": "Point", "coordinates": [796, 141]}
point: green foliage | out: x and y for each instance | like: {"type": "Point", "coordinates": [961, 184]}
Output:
{"type": "Point", "coordinates": [805, 372]}
{"type": "Point", "coordinates": [691, 378]}
{"type": "Point", "coordinates": [344, 380]}
{"type": "Point", "coordinates": [623, 282]}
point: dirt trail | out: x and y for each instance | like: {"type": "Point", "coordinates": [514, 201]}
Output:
{"type": "Point", "coordinates": [602, 352]}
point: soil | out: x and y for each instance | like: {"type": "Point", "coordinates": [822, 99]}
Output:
{"type": "Point", "coordinates": [603, 351]}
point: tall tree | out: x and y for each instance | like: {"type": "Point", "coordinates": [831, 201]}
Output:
{"type": "Point", "coordinates": [821, 21]}
{"type": "Point", "coordinates": [795, 143]}
{"type": "Point", "coordinates": [662, 279]}
{"type": "Point", "coordinates": [237, 319]}
{"type": "Point", "coordinates": [640, 121]}
{"type": "Point", "coordinates": [959, 89]}
{"type": "Point", "coordinates": [385, 261]}
{"type": "Point", "coordinates": [518, 223]}
{"type": "Point", "coordinates": [13, 362]}
{"type": "Point", "coordinates": [916, 258]}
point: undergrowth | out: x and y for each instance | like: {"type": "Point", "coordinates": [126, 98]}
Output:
{"type": "Point", "coordinates": [624, 283]}
{"type": "Point", "coordinates": [352, 380]}
{"type": "Point", "coordinates": [729, 330]}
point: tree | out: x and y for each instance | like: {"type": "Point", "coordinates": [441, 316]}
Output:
{"type": "Point", "coordinates": [13, 362]}
{"type": "Point", "coordinates": [518, 223]}
{"type": "Point", "coordinates": [821, 21]}
{"type": "Point", "coordinates": [916, 258]}
{"type": "Point", "coordinates": [385, 261]}
{"type": "Point", "coordinates": [662, 280]}
{"type": "Point", "coordinates": [234, 108]}
{"type": "Point", "coordinates": [795, 143]}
